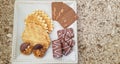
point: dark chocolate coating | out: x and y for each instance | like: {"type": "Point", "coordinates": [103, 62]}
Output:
{"type": "Point", "coordinates": [37, 46]}
{"type": "Point", "coordinates": [24, 46]}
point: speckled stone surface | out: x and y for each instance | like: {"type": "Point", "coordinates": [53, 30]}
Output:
{"type": "Point", "coordinates": [98, 31]}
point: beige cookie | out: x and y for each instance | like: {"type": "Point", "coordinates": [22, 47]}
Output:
{"type": "Point", "coordinates": [37, 37]}
{"type": "Point", "coordinates": [41, 18]}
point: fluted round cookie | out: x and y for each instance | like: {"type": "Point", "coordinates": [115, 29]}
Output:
{"type": "Point", "coordinates": [41, 18]}
{"type": "Point", "coordinates": [35, 34]}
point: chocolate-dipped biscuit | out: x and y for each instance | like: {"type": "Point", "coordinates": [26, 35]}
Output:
{"type": "Point", "coordinates": [26, 48]}
{"type": "Point", "coordinates": [64, 42]}
{"type": "Point", "coordinates": [37, 46]}
{"type": "Point", "coordinates": [65, 34]}
{"type": "Point", "coordinates": [39, 50]}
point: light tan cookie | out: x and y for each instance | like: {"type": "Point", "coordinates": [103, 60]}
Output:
{"type": "Point", "coordinates": [36, 35]}
{"type": "Point", "coordinates": [41, 18]}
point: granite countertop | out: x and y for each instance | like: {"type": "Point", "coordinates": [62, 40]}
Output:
{"type": "Point", "coordinates": [98, 31]}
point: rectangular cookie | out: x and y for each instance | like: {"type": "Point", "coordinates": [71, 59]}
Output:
{"type": "Point", "coordinates": [65, 34]}
{"type": "Point", "coordinates": [69, 34]}
{"type": "Point", "coordinates": [61, 33]}
{"type": "Point", "coordinates": [66, 48]}
{"type": "Point", "coordinates": [71, 42]}
{"type": "Point", "coordinates": [57, 50]}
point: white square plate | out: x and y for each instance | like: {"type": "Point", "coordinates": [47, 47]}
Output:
{"type": "Point", "coordinates": [21, 11]}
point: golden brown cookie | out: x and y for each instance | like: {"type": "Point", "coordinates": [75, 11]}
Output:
{"type": "Point", "coordinates": [41, 18]}
{"type": "Point", "coordinates": [35, 34]}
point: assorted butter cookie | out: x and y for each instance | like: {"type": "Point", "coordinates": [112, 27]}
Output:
{"type": "Point", "coordinates": [36, 34]}
{"type": "Point", "coordinates": [41, 18]}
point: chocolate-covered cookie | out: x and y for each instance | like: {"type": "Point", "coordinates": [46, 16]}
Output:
{"type": "Point", "coordinates": [39, 50]}
{"type": "Point", "coordinates": [63, 45]}
{"type": "Point", "coordinates": [57, 50]}
{"type": "Point", "coordinates": [26, 48]}
{"type": "Point", "coordinates": [65, 34]}
{"type": "Point", "coordinates": [61, 33]}
{"type": "Point", "coordinates": [66, 48]}
{"type": "Point", "coordinates": [69, 34]}
{"type": "Point", "coordinates": [71, 42]}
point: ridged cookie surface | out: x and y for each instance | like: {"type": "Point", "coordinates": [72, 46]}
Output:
{"type": "Point", "coordinates": [36, 34]}
{"type": "Point", "coordinates": [41, 18]}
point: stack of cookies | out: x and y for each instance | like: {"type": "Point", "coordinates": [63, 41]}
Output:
{"type": "Point", "coordinates": [36, 34]}
{"type": "Point", "coordinates": [64, 44]}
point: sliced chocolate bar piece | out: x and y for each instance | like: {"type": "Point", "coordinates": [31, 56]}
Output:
{"type": "Point", "coordinates": [65, 34]}
{"type": "Point", "coordinates": [66, 48]}
{"type": "Point", "coordinates": [71, 42]}
{"type": "Point", "coordinates": [69, 34]}
{"type": "Point", "coordinates": [57, 50]}
{"type": "Point", "coordinates": [61, 33]}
